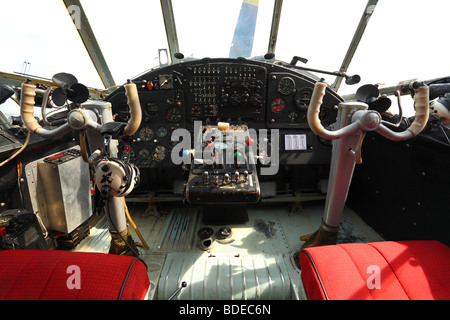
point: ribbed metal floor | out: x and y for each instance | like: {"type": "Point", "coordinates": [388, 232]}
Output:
{"type": "Point", "coordinates": [225, 277]}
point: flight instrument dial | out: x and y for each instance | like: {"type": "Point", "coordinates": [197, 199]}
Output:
{"type": "Point", "coordinates": [286, 86]}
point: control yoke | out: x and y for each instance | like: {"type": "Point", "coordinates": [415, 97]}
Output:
{"type": "Point", "coordinates": [354, 120]}
{"type": "Point", "coordinates": [113, 177]}
{"type": "Point", "coordinates": [88, 119]}
{"type": "Point", "coordinates": [77, 119]}
{"type": "Point", "coordinates": [368, 120]}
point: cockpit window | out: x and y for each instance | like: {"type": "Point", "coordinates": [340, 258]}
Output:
{"type": "Point", "coordinates": [319, 31]}
{"type": "Point", "coordinates": [129, 33]}
{"type": "Point", "coordinates": [40, 39]}
{"type": "Point", "coordinates": [223, 28]}
{"type": "Point", "coordinates": [399, 43]}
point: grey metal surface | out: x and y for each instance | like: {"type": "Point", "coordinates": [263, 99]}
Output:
{"type": "Point", "coordinates": [341, 169]}
{"type": "Point", "coordinates": [225, 277]}
{"type": "Point", "coordinates": [60, 193]}
{"type": "Point", "coordinates": [257, 262]}
{"type": "Point", "coordinates": [275, 25]}
{"type": "Point", "coordinates": [176, 233]}
{"type": "Point", "coordinates": [171, 30]}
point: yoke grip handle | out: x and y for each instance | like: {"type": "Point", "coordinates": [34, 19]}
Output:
{"type": "Point", "coordinates": [135, 109]}
{"type": "Point", "coordinates": [421, 97]}
{"type": "Point", "coordinates": [314, 108]}
{"type": "Point", "coordinates": [27, 95]}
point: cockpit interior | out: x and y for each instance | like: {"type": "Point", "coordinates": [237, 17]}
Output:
{"type": "Point", "coordinates": [182, 150]}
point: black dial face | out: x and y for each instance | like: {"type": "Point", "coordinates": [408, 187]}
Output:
{"type": "Point", "coordinates": [256, 100]}
{"type": "Point", "coordinates": [144, 153]}
{"type": "Point", "coordinates": [196, 110]}
{"type": "Point", "coordinates": [173, 114]}
{"type": "Point", "coordinates": [303, 98]}
{"type": "Point", "coordinates": [236, 99]}
{"type": "Point", "coordinates": [286, 86]}
{"type": "Point", "coordinates": [146, 133]}
{"type": "Point", "coordinates": [161, 132]}
{"type": "Point", "coordinates": [152, 109]}
{"type": "Point", "coordinates": [293, 116]}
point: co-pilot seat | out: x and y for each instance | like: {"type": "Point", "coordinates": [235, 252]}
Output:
{"type": "Point", "coordinates": [379, 270]}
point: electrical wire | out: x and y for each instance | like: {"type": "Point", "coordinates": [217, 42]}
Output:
{"type": "Point", "coordinates": [134, 225]}
{"type": "Point", "coordinates": [18, 151]}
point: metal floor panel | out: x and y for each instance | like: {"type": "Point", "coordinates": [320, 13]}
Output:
{"type": "Point", "coordinates": [256, 262]}
{"type": "Point", "coordinates": [225, 277]}
{"type": "Point", "coordinates": [99, 238]}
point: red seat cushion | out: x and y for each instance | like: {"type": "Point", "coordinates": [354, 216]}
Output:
{"type": "Point", "coordinates": [51, 274]}
{"type": "Point", "coordinates": [414, 270]}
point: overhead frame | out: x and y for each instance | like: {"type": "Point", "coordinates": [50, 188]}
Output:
{"type": "Point", "coordinates": [368, 10]}
{"type": "Point", "coordinates": [90, 42]}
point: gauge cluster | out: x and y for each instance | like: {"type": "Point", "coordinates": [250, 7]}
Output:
{"type": "Point", "coordinates": [257, 94]}
{"type": "Point", "coordinates": [226, 91]}
{"type": "Point", "coordinates": [289, 96]}
{"type": "Point", "coordinates": [163, 110]}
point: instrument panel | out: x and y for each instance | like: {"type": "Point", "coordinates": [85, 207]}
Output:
{"type": "Point", "coordinates": [257, 94]}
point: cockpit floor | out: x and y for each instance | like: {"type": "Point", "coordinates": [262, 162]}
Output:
{"type": "Point", "coordinates": [255, 262]}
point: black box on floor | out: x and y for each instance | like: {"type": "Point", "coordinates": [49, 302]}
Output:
{"type": "Point", "coordinates": [20, 230]}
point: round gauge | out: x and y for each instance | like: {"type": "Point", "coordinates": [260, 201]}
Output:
{"type": "Point", "coordinates": [159, 154]}
{"type": "Point", "coordinates": [293, 116]}
{"type": "Point", "coordinates": [196, 110]}
{"type": "Point", "coordinates": [6, 218]}
{"type": "Point", "coordinates": [236, 99]}
{"type": "Point", "coordinates": [144, 153]}
{"type": "Point", "coordinates": [166, 81]}
{"type": "Point", "coordinates": [256, 100]}
{"type": "Point", "coordinates": [303, 98]}
{"type": "Point", "coordinates": [286, 86]}
{"type": "Point", "coordinates": [146, 133]}
{"type": "Point", "coordinates": [152, 109]}
{"type": "Point", "coordinates": [161, 132]}
{"type": "Point", "coordinates": [278, 105]}
{"type": "Point", "coordinates": [173, 114]}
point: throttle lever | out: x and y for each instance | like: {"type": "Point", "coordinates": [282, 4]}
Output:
{"type": "Point", "coordinates": [183, 285]}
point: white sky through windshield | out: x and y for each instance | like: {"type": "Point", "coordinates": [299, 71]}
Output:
{"type": "Point", "coordinates": [403, 40]}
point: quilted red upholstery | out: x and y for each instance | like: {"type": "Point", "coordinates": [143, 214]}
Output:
{"type": "Point", "coordinates": [47, 275]}
{"type": "Point", "coordinates": [414, 270]}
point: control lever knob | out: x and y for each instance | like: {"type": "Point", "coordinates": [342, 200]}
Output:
{"type": "Point", "coordinates": [206, 178]}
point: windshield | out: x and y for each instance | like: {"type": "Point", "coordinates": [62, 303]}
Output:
{"type": "Point", "coordinates": [212, 28]}
{"type": "Point", "coordinates": [41, 40]}
{"type": "Point", "coordinates": [403, 40]}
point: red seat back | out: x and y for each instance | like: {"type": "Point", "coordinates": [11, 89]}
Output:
{"type": "Point", "coordinates": [52, 274]}
{"type": "Point", "coordinates": [384, 270]}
